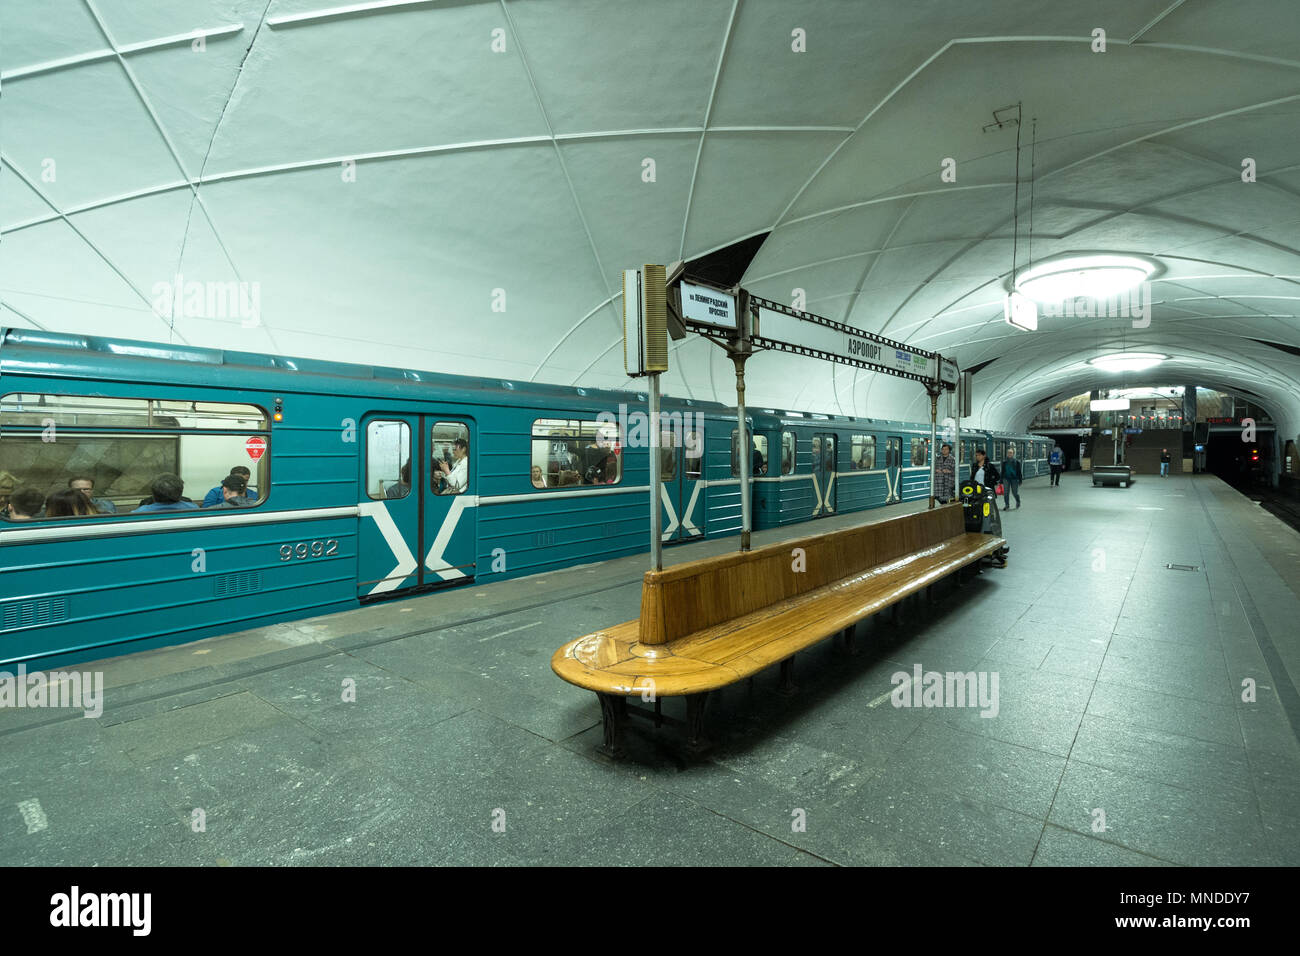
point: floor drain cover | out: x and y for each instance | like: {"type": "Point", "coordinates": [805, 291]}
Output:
{"type": "Point", "coordinates": [1182, 567]}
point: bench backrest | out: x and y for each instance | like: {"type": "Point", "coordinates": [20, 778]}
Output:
{"type": "Point", "coordinates": [698, 594]}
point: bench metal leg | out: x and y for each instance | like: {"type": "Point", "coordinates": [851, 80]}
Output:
{"type": "Point", "coordinates": [613, 710]}
{"type": "Point", "coordinates": [850, 645]}
{"type": "Point", "coordinates": [896, 610]}
{"type": "Point", "coordinates": [787, 688]}
{"type": "Point", "coordinates": [695, 722]}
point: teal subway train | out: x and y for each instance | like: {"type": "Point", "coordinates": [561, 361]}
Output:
{"type": "Point", "coordinates": [362, 483]}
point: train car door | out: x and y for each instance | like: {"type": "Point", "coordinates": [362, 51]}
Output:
{"type": "Point", "coordinates": [449, 540]}
{"type": "Point", "coordinates": [681, 469]}
{"type": "Point", "coordinates": [417, 525]}
{"type": "Point", "coordinates": [893, 468]}
{"type": "Point", "coordinates": [824, 466]}
{"type": "Point", "coordinates": [388, 535]}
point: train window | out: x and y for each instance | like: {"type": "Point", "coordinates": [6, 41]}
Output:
{"type": "Point", "coordinates": [667, 456]}
{"type": "Point", "coordinates": [694, 455]}
{"type": "Point", "coordinates": [758, 452]}
{"type": "Point", "coordinates": [918, 451]}
{"type": "Point", "coordinates": [789, 452]}
{"type": "Point", "coordinates": [570, 452]}
{"type": "Point", "coordinates": [94, 411]}
{"type": "Point", "coordinates": [388, 459]}
{"type": "Point", "coordinates": [863, 452]}
{"type": "Point", "coordinates": [115, 450]}
{"type": "Point", "coordinates": [449, 464]}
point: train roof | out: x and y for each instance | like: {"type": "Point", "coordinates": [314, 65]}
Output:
{"type": "Point", "coordinates": [61, 355]}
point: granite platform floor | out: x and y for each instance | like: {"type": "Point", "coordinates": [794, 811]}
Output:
{"type": "Point", "coordinates": [1126, 730]}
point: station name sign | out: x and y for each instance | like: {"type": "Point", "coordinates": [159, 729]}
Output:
{"type": "Point", "coordinates": [702, 304]}
{"type": "Point", "coordinates": [858, 347]}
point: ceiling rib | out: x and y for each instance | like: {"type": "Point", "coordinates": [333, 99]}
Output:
{"type": "Point", "coordinates": [708, 114]}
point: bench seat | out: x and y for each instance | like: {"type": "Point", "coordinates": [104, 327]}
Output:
{"type": "Point", "coordinates": [614, 661]}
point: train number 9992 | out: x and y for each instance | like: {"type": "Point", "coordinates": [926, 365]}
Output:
{"type": "Point", "coordinates": [309, 549]}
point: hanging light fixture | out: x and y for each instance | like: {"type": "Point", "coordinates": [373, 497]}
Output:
{"type": "Point", "coordinates": [1091, 276]}
{"type": "Point", "coordinates": [1127, 361]}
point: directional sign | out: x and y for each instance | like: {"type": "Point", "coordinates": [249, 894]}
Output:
{"type": "Point", "coordinates": [778, 326]}
{"type": "Point", "coordinates": [702, 304]}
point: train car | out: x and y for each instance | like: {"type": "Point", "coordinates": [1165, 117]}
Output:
{"type": "Point", "coordinates": [1031, 451]}
{"type": "Point", "coordinates": [365, 483]}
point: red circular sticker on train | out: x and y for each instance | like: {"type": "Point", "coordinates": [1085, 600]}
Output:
{"type": "Point", "coordinates": [256, 448]}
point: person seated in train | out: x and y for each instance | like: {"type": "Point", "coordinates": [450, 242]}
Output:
{"type": "Point", "coordinates": [593, 461]}
{"type": "Point", "coordinates": [759, 463]}
{"type": "Point", "coordinates": [233, 493]}
{"type": "Point", "coordinates": [455, 478]}
{"type": "Point", "coordinates": [71, 503]}
{"type": "Point", "coordinates": [608, 473]}
{"type": "Point", "coordinates": [402, 488]}
{"type": "Point", "coordinates": [539, 480]}
{"type": "Point", "coordinates": [215, 495]}
{"type": "Point", "coordinates": [25, 504]}
{"type": "Point", "coordinates": [168, 495]}
{"type": "Point", "coordinates": [86, 485]}
{"type": "Point", "coordinates": [7, 484]}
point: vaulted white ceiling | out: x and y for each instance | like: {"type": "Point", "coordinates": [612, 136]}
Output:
{"type": "Point", "coordinates": [457, 184]}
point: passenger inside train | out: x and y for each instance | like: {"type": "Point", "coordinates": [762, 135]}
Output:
{"type": "Point", "coordinates": [86, 484]}
{"type": "Point", "coordinates": [69, 503]}
{"type": "Point", "coordinates": [233, 493]}
{"type": "Point", "coordinates": [168, 495]}
{"type": "Point", "coordinates": [215, 495]}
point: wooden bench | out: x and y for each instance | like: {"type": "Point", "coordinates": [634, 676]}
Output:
{"type": "Point", "coordinates": [709, 623]}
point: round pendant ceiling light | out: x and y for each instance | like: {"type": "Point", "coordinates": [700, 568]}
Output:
{"type": "Point", "coordinates": [1093, 276]}
{"type": "Point", "coordinates": [1127, 361]}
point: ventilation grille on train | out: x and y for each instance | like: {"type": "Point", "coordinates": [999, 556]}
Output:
{"type": "Point", "coordinates": [31, 613]}
{"type": "Point", "coordinates": [238, 582]}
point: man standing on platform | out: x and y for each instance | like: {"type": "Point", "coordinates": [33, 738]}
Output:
{"type": "Point", "coordinates": [1011, 475]}
{"type": "Point", "coordinates": [1056, 460]}
{"type": "Point", "coordinates": [945, 475]}
{"type": "Point", "coordinates": [1164, 463]}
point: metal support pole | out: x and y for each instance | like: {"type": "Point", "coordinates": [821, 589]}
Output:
{"type": "Point", "coordinates": [956, 440]}
{"type": "Point", "coordinates": [934, 435]}
{"type": "Point", "coordinates": [746, 445]}
{"type": "Point", "coordinates": [656, 525]}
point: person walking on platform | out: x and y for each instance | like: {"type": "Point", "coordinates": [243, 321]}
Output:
{"type": "Point", "coordinates": [1011, 477]}
{"type": "Point", "coordinates": [945, 475]}
{"type": "Point", "coordinates": [1164, 463]}
{"type": "Point", "coordinates": [1056, 460]}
